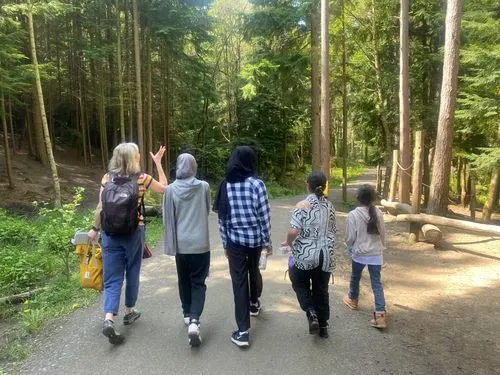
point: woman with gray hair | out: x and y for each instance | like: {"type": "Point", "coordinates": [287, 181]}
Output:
{"type": "Point", "coordinates": [119, 218]}
{"type": "Point", "coordinates": [185, 215]}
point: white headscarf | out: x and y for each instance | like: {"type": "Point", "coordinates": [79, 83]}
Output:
{"type": "Point", "coordinates": [186, 166]}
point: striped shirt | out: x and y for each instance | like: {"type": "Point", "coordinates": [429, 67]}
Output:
{"type": "Point", "coordinates": [143, 182]}
{"type": "Point", "coordinates": [249, 223]}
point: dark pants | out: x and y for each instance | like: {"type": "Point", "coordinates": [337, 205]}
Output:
{"type": "Point", "coordinates": [244, 265]}
{"type": "Point", "coordinates": [192, 270]}
{"type": "Point", "coordinates": [121, 257]}
{"type": "Point", "coordinates": [317, 298]}
{"type": "Point", "coordinates": [378, 290]}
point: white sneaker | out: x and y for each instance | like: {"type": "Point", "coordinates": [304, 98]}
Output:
{"type": "Point", "coordinates": [186, 320]}
{"type": "Point", "coordinates": [194, 334]}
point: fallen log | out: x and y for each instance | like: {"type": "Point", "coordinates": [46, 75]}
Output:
{"type": "Point", "coordinates": [396, 208]}
{"type": "Point", "coordinates": [431, 233]}
{"type": "Point", "coordinates": [460, 224]}
{"type": "Point", "coordinates": [16, 298]}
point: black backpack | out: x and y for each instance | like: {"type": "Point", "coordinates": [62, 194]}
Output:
{"type": "Point", "coordinates": [120, 212]}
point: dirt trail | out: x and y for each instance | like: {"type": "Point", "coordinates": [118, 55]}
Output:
{"type": "Point", "coordinates": [444, 309]}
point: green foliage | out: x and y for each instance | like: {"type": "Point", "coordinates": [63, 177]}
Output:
{"type": "Point", "coordinates": [63, 222]}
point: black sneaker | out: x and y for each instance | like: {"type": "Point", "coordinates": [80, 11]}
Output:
{"type": "Point", "coordinates": [313, 322]}
{"type": "Point", "coordinates": [131, 317]}
{"type": "Point", "coordinates": [240, 338]}
{"type": "Point", "coordinates": [255, 308]}
{"type": "Point", "coordinates": [323, 332]}
{"type": "Point", "coordinates": [108, 330]}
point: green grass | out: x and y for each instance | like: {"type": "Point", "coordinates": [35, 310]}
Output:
{"type": "Point", "coordinates": [154, 230]}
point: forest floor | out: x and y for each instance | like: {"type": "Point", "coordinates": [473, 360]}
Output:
{"type": "Point", "coordinates": [443, 307]}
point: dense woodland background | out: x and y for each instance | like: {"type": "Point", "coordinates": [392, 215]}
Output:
{"type": "Point", "coordinates": [205, 76]}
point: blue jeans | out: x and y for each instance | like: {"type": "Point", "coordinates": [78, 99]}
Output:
{"type": "Point", "coordinates": [121, 256]}
{"type": "Point", "coordinates": [378, 290]}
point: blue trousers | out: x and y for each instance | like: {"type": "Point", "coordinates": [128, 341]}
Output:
{"type": "Point", "coordinates": [378, 290]}
{"type": "Point", "coordinates": [121, 256]}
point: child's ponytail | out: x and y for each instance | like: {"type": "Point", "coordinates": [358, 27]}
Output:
{"type": "Point", "coordinates": [367, 196]}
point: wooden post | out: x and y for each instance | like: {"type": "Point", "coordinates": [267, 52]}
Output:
{"type": "Point", "coordinates": [394, 176]}
{"type": "Point", "coordinates": [379, 180]}
{"type": "Point", "coordinates": [416, 182]}
{"type": "Point", "coordinates": [472, 204]}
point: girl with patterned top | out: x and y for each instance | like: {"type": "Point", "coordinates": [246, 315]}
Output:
{"type": "Point", "coordinates": [312, 239]}
{"type": "Point", "coordinates": [122, 253]}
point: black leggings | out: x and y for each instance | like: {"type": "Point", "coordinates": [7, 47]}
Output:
{"type": "Point", "coordinates": [192, 270]}
{"type": "Point", "coordinates": [317, 298]}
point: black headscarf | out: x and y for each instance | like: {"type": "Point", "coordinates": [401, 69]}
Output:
{"type": "Point", "coordinates": [241, 165]}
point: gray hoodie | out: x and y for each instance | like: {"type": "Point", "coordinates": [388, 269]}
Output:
{"type": "Point", "coordinates": [185, 208]}
{"type": "Point", "coordinates": [356, 235]}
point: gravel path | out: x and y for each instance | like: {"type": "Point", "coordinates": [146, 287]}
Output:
{"type": "Point", "coordinates": [157, 343]}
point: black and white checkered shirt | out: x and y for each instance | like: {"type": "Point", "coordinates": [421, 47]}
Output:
{"type": "Point", "coordinates": [249, 223]}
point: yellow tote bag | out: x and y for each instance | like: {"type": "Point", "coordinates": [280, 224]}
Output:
{"type": "Point", "coordinates": [90, 266]}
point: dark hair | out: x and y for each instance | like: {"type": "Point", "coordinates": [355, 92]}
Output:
{"type": "Point", "coordinates": [366, 196]}
{"type": "Point", "coordinates": [317, 183]}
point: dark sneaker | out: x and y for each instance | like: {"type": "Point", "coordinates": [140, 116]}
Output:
{"type": "Point", "coordinates": [240, 338]}
{"type": "Point", "coordinates": [194, 333]}
{"type": "Point", "coordinates": [323, 332]}
{"type": "Point", "coordinates": [255, 308]}
{"type": "Point", "coordinates": [313, 322]}
{"type": "Point", "coordinates": [108, 330]}
{"type": "Point", "coordinates": [131, 317]}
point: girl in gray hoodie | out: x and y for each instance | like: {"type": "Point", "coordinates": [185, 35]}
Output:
{"type": "Point", "coordinates": [185, 215]}
{"type": "Point", "coordinates": [365, 235]}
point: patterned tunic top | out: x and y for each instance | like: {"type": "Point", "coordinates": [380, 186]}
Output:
{"type": "Point", "coordinates": [315, 218]}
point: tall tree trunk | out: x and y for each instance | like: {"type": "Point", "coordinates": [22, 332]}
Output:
{"type": "Point", "coordinates": [325, 92]}
{"type": "Point", "coordinates": [438, 203]}
{"type": "Point", "coordinates": [40, 150]}
{"type": "Point", "coordinates": [492, 194]}
{"type": "Point", "coordinates": [11, 124]}
{"type": "Point", "coordinates": [8, 162]}
{"type": "Point", "coordinates": [459, 177]}
{"type": "Point", "coordinates": [101, 109]}
{"type": "Point", "coordinates": [138, 81]}
{"type": "Point", "coordinates": [381, 103]}
{"type": "Point", "coordinates": [316, 84]}
{"type": "Point", "coordinates": [404, 108]}
{"type": "Point", "coordinates": [39, 93]}
{"type": "Point", "coordinates": [344, 110]}
{"type": "Point", "coordinates": [121, 106]}
{"type": "Point", "coordinates": [149, 130]}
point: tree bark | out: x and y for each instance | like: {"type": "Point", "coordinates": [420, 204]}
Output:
{"type": "Point", "coordinates": [138, 81]}
{"type": "Point", "coordinates": [394, 176]}
{"type": "Point", "coordinates": [40, 150]}
{"type": "Point", "coordinates": [325, 93]}
{"type": "Point", "coordinates": [12, 134]}
{"type": "Point", "coordinates": [316, 85]}
{"type": "Point", "coordinates": [149, 129]}
{"type": "Point", "coordinates": [121, 105]}
{"type": "Point", "coordinates": [39, 93]}
{"type": "Point", "coordinates": [381, 106]}
{"type": "Point", "coordinates": [8, 162]}
{"type": "Point", "coordinates": [344, 109]}
{"type": "Point", "coordinates": [404, 107]}
{"type": "Point", "coordinates": [492, 193]}
{"type": "Point", "coordinates": [472, 204]}
{"type": "Point", "coordinates": [444, 221]}
{"type": "Point", "coordinates": [438, 203]}
{"type": "Point", "coordinates": [416, 180]}
{"type": "Point", "coordinates": [459, 177]}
